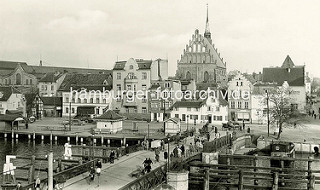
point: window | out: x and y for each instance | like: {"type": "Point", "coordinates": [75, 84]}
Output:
{"type": "Point", "coordinates": [144, 110]}
{"type": "Point", "coordinates": [118, 76]}
{"type": "Point", "coordinates": [18, 79]}
{"type": "Point", "coordinates": [208, 108]}
{"type": "Point", "coordinates": [232, 104]}
{"type": "Point", "coordinates": [119, 87]}
{"type": "Point", "coordinates": [91, 100]}
{"type": "Point", "coordinates": [79, 100]}
{"type": "Point", "coordinates": [144, 75]}
{"type": "Point", "coordinates": [144, 99]}
{"type": "Point", "coordinates": [144, 87]}
{"type": "Point", "coordinates": [131, 67]}
{"type": "Point", "coordinates": [217, 108]}
{"type": "Point", "coordinates": [239, 105]}
{"type": "Point", "coordinates": [196, 109]}
{"type": "Point", "coordinates": [73, 100]}
{"type": "Point", "coordinates": [167, 85]}
{"type": "Point", "coordinates": [67, 110]}
{"type": "Point", "coordinates": [135, 110]}
{"type": "Point", "coordinates": [188, 109]}
{"type": "Point", "coordinates": [241, 83]}
{"type": "Point", "coordinates": [104, 101]}
{"type": "Point", "coordinates": [127, 110]}
{"type": "Point", "coordinates": [31, 81]}
{"type": "Point", "coordinates": [176, 115]}
{"type": "Point", "coordinates": [97, 111]}
{"type": "Point", "coordinates": [129, 87]}
{"type": "Point", "coordinates": [52, 87]}
{"type": "Point", "coordinates": [85, 100]}
{"type": "Point", "coordinates": [246, 105]}
{"type": "Point", "coordinates": [27, 81]}
{"type": "Point", "coordinates": [97, 100]}
{"type": "Point", "coordinates": [237, 83]}
{"type": "Point", "coordinates": [118, 99]}
{"type": "Point", "coordinates": [131, 76]}
{"type": "Point", "coordinates": [177, 109]}
{"type": "Point", "coordinates": [72, 110]}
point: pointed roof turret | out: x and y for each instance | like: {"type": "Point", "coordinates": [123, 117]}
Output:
{"type": "Point", "coordinates": [207, 33]}
{"type": "Point", "coordinates": [288, 63]}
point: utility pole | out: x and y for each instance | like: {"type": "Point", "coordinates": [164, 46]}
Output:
{"type": "Point", "coordinates": [148, 134]}
{"type": "Point", "coordinates": [164, 116]}
{"type": "Point", "coordinates": [70, 116]}
{"type": "Point", "coordinates": [268, 117]}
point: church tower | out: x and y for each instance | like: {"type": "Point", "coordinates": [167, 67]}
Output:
{"type": "Point", "coordinates": [200, 60]}
{"type": "Point", "coordinates": [207, 33]}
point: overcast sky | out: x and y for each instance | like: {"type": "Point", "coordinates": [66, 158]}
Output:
{"type": "Point", "coordinates": [249, 34]}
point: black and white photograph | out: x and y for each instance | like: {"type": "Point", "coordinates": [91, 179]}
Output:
{"type": "Point", "coordinates": [159, 95]}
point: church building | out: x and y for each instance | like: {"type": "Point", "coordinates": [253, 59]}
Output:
{"type": "Point", "coordinates": [201, 61]}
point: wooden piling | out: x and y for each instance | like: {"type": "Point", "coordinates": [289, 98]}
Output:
{"type": "Point", "coordinates": [5, 135]}
{"type": "Point", "coordinates": [240, 182]}
{"type": "Point", "coordinates": [108, 142]}
{"type": "Point", "coordinates": [77, 138]}
{"type": "Point", "coordinates": [102, 140]}
{"type": "Point", "coordinates": [275, 181]}
{"type": "Point", "coordinates": [55, 138]}
{"type": "Point", "coordinates": [68, 139]}
{"type": "Point", "coordinates": [34, 135]}
{"type": "Point", "coordinates": [206, 183]}
{"type": "Point", "coordinates": [17, 136]}
{"type": "Point", "coordinates": [32, 169]}
{"type": "Point", "coordinates": [42, 137]}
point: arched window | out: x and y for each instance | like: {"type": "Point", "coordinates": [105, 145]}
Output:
{"type": "Point", "coordinates": [67, 110]}
{"type": "Point", "coordinates": [91, 100]}
{"type": "Point", "coordinates": [131, 67]}
{"type": "Point", "coordinates": [206, 76]}
{"type": "Point", "coordinates": [18, 79]}
{"type": "Point", "coordinates": [27, 81]}
{"type": "Point", "coordinates": [188, 75]}
{"type": "Point", "coordinates": [97, 100]}
{"type": "Point", "coordinates": [85, 100]}
{"type": "Point", "coordinates": [79, 100]}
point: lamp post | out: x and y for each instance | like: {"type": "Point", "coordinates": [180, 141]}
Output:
{"type": "Point", "coordinates": [164, 117]}
{"type": "Point", "coordinates": [148, 121]}
{"type": "Point", "coordinates": [268, 117]}
{"type": "Point", "coordinates": [187, 123]}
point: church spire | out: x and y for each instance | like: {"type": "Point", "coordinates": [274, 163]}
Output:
{"type": "Point", "coordinates": [207, 33]}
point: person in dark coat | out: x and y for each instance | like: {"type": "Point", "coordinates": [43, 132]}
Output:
{"type": "Point", "coordinates": [118, 153]}
{"type": "Point", "coordinates": [112, 155]}
{"type": "Point", "coordinates": [127, 150]}
{"type": "Point", "coordinates": [91, 174]}
{"type": "Point", "coordinates": [182, 150]}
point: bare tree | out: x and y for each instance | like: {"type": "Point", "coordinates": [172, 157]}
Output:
{"type": "Point", "coordinates": [280, 106]}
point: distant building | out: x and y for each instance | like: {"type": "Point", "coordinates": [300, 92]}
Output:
{"type": "Point", "coordinates": [213, 109]}
{"type": "Point", "coordinates": [136, 75]}
{"type": "Point", "coordinates": [50, 83]}
{"type": "Point", "coordinates": [239, 98]}
{"type": "Point", "coordinates": [12, 101]}
{"type": "Point", "coordinates": [294, 76]}
{"type": "Point", "coordinates": [52, 106]}
{"type": "Point", "coordinates": [109, 122]}
{"type": "Point", "coordinates": [16, 74]}
{"type": "Point", "coordinates": [201, 61]}
{"type": "Point", "coordinates": [160, 105]}
{"type": "Point", "coordinates": [83, 94]}
{"type": "Point", "coordinates": [34, 105]}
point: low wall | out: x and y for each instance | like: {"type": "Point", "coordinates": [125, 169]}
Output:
{"type": "Point", "coordinates": [241, 142]}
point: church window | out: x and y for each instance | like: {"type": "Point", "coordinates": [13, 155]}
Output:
{"type": "Point", "coordinates": [188, 75]}
{"type": "Point", "coordinates": [18, 79]}
{"type": "Point", "coordinates": [206, 76]}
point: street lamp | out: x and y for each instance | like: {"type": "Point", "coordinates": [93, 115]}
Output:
{"type": "Point", "coordinates": [164, 116]}
{"type": "Point", "coordinates": [268, 117]}
{"type": "Point", "coordinates": [187, 123]}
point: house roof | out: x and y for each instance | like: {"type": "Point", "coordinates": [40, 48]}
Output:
{"type": "Point", "coordinates": [142, 64]}
{"type": "Point", "coordinates": [52, 101]}
{"type": "Point", "coordinates": [30, 97]}
{"type": "Point", "coordinates": [185, 104]}
{"type": "Point", "coordinates": [89, 81]}
{"type": "Point", "coordinates": [287, 63]}
{"type": "Point", "coordinates": [9, 117]}
{"type": "Point", "coordinates": [6, 91]}
{"type": "Point", "coordinates": [205, 86]}
{"type": "Point", "coordinates": [294, 76]}
{"type": "Point", "coordinates": [50, 77]}
{"type": "Point", "coordinates": [174, 119]}
{"type": "Point", "coordinates": [110, 115]}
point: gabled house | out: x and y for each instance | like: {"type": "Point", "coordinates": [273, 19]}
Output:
{"type": "Point", "coordinates": [12, 101]}
{"type": "Point", "coordinates": [50, 83]}
{"type": "Point", "coordinates": [34, 105]}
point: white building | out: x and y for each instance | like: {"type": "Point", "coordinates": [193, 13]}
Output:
{"type": "Point", "coordinates": [50, 84]}
{"type": "Point", "coordinates": [12, 101]}
{"type": "Point", "coordinates": [109, 122]}
{"type": "Point", "coordinates": [239, 98]}
{"type": "Point", "coordinates": [212, 109]}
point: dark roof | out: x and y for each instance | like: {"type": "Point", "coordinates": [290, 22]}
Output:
{"type": "Point", "coordinates": [6, 91]}
{"type": "Point", "coordinates": [205, 86]}
{"type": "Point", "coordinates": [154, 86]}
{"type": "Point", "coordinates": [142, 64]}
{"type": "Point", "coordinates": [294, 76]}
{"type": "Point", "coordinates": [110, 115]}
{"type": "Point", "coordinates": [76, 81]}
{"type": "Point", "coordinates": [50, 77]}
{"type": "Point", "coordinates": [9, 117]}
{"type": "Point", "coordinates": [52, 101]}
{"type": "Point", "coordinates": [288, 63]}
{"type": "Point", "coordinates": [189, 104]}
{"type": "Point", "coordinates": [30, 97]}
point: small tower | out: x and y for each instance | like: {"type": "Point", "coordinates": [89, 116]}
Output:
{"type": "Point", "coordinates": [207, 33]}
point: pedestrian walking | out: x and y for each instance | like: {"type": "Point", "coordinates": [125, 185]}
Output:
{"type": "Point", "coordinates": [118, 153]}
{"type": "Point", "coordinates": [145, 164]}
{"type": "Point", "coordinates": [127, 150]}
{"type": "Point", "coordinates": [98, 170]}
{"type": "Point", "coordinates": [91, 174]}
{"type": "Point", "coordinates": [112, 155]}
{"type": "Point", "coordinates": [149, 162]}
{"type": "Point", "coordinates": [182, 150]}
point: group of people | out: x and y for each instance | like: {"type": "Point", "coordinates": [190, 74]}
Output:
{"type": "Point", "coordinates": [147, 165]}
{"type": "Point", "coordinates": [95, 170]}
{"type": "Point", "coordinates": [313, 114]}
